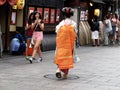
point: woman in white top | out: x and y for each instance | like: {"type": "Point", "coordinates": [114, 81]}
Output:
{"type": "Point", "coordinates": [107, 28]}
{"type": "Point", "coordinates": [114, 25]}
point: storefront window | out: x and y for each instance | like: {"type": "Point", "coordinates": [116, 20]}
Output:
{"type": "Point", "coordinates": [52, 16]}
{"type": "Point", "coordinates": [46, 15]}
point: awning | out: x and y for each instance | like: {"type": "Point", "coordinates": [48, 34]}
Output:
{"type": "Point", "coordinates": [98, 1]}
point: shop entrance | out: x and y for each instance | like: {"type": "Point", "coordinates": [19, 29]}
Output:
{"type": "Point", "coordinates": [4, 24]}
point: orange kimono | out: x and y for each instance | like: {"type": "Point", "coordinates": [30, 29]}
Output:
{"type": "Point", "coordinates": [64, 47]}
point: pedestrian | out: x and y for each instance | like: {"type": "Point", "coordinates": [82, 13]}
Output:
{"type": "Point", "coordinates": [94, 24]}
{"type": "Point", "coordinates": [65, 40]}
{"type": "Point", "coordinates": [113, 32]}
{"type": "Point", "coordinates": [29, 33]}
{"type": "Point", "coordinates": [101, 31]}
{"type": "Point", "coordinates": [38, 27]}
{"type": "Point", "coordinates": [69, 21]}
{"type": "Point", "coordinates": [107, 27]}
{"type": "Point", "coordinates": [17, 44]}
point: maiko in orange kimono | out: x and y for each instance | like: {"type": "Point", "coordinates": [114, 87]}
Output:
{"type": "Point", "coordinates": [64, 47]}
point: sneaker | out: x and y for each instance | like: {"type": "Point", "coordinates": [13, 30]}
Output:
{"type": "Point", "coordinates": [39, 60]}
{"type": "Point", "coordinates": [58, 74]}
{"type": "Point", "coordinates": [30, 59]}
{"type": "Point", "coordinates": [27, 58]}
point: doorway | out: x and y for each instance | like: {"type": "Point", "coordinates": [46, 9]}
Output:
{"type": "Point", "coordinates": [4, 24]}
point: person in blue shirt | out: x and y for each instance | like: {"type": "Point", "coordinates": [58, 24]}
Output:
{"type": "Point", "coordinates": [17, 44]}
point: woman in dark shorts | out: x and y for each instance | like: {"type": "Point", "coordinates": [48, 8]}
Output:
{"type": "Point", "coordinates": [113, 32]}
{"type": "Point", "coordinates": [29, 33]}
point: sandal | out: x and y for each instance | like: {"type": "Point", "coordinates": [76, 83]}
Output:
{"type": "Point", "coordinates": [27, 58]}
{"type": "Point", "coordinates": [58, 74]}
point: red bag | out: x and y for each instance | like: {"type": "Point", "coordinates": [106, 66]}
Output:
{"type": "Point", "coordinates": [30, 50]}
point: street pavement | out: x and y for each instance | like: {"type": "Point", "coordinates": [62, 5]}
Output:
{"type": "Point", "coordinates": [98, 69]}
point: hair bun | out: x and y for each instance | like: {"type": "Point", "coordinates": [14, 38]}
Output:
{"type": "Point", "coordinates": [67, 10]}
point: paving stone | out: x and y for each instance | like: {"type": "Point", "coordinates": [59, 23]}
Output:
{"type": "Point", "coordinates": [98, 69]}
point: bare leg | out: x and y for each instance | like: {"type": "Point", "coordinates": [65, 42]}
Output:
{"type": "Point", "coordinates": [39, 51]}
{"type": "Point", "coordinates": [93, 40]}
{"type": "Point", "coordinates": [65, 71]}
{"type": "Point", "coordinates": [36, 46]}
{"type": "Point", "coordinates": [98, 42]}
{"type": "Point", "coordinates": [39, 54]}
{"type": "Point", "coordinates": [27, 46]}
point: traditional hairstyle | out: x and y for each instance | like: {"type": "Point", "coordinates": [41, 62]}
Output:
{"type": "Point", "coordinates": [67, 12]}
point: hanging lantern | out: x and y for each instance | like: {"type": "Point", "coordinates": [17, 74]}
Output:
{"type": "Point", "coordinates": [97, 12]}
{"type": "Point", "coordinates": [14, 7]}
{"type": "Point", "coordinates": [12, 2]}
{"type": "Point", "coordinates": [20, 4]}
{"type": "Point", "coordinates": [2, 2]}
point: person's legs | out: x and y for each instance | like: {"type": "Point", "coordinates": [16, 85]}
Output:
{"type": "Point", "coordinates": [95, 37]}
{"type": "Point", "coordinates": [98, 42]}
{"type": "Point", "coordinates": [40, 38]}
{"type": "Point", "coordinates": [105, 38]}
{"type": "Point", "coordinates": [28, 41]}
{"type": "Point", "coordinates": [118, 36]}
{"type": "Point", "coordinates": [36, 46]}
{"type": "Point", "coordinates": [37, 37]}
{"type": "Point", "coordinates": [93, 42]}
{"type": "Point", "coordinates": [113, 35]}
{"type": "Point", "coordinates": [65, 71]}
{"type": "Point", "coordinates": [39, 53]}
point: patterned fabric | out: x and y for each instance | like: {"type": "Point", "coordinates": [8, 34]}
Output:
{"type": "Point", "coordinates": [64, 47]}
